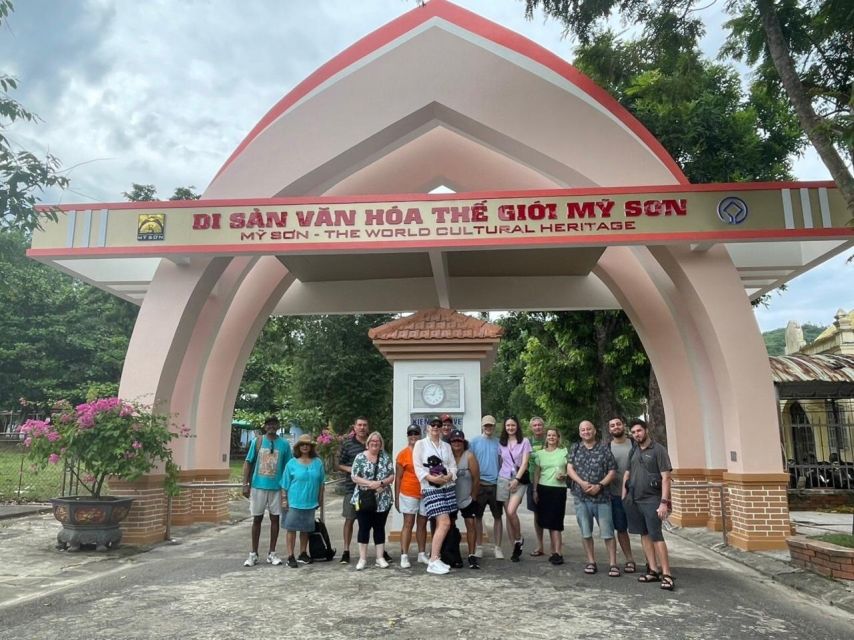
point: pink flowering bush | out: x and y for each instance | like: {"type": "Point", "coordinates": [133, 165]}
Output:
{"type": "Point", "coordinates": [102, 438]}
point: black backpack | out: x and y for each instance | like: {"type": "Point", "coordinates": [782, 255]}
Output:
{"type": "Point", "coordinates": [450, 552]}
{"type": "Point", "coordinates": [319, 545]}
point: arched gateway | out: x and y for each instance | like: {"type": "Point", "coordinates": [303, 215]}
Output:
{"type": "Point", "coordinates": [322, 209]}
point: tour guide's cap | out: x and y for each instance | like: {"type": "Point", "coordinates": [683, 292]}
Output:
{"type": "Point", "coordinates": [485, 420]}
{"type": "Point", "coordinates": [456, 434]}
{"type": "Point", "coordinates": [413, 430]}
{"type": "Point", "coordinates": [446, 418]}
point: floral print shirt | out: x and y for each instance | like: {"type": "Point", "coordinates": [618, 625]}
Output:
{"type": "Point", "coordinates": [363, 468]}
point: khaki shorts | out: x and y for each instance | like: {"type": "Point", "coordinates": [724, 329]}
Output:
{"type": "Point", "coordinates": [348, 509]}
{"type": "Point", "coordinates": [409, 505]}
{"type": "Point", "coordinates": [261, 500]}
{"type": "Point", "coordinates": [502, 492]}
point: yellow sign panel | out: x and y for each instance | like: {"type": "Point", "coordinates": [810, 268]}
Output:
{"type": "Point", "coordinates": [582, 217]}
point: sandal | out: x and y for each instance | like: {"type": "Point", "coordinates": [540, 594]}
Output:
{"type": "Point", "coordinates": [667, 582]}
{"type": "Point", "coordinates": [650, 576]}
{"type": "Point", "coordinates": [630, 567]}
{"type": "Point", "coordinates": [590, 568]}
{"type": "Point", "coordinates": [614, 571]}
{"type": "Point", "coordinates": [537, 553]}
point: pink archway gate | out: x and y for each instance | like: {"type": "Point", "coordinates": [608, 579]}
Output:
{"type": "Point", "coordinates": [546, 167]}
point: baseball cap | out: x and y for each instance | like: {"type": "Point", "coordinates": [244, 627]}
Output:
{"type": "Point", "coordinates": [413, 429]}
{"type": "Point", "coordinates": [436, 421]}
{"type": "Point", "coordinates": [485, 420]}
{"type": "Point", "coordinates": [447, 418]}
{"type": "Point", "coordinates": [456, 434]}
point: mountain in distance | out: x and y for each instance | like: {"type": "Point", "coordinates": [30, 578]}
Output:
{"type": "Point", "coordinates": [775, 340]}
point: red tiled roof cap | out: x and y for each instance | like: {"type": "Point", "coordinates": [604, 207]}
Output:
{"type": "Point", "coordinates": [436, 324]}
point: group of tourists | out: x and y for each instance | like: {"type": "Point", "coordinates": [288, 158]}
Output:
{"type": "Point", "coordinates": [622, 486]}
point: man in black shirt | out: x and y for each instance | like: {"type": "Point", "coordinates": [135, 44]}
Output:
{"type": "Point", "coordinates": [350, 448]}
{"type": "Point", "coordinates": [646, 496]}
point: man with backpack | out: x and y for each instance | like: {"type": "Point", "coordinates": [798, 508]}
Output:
{"type": "Point", "coordinates": [262, 477]}
{"type": "Point", "coordinates": [647, 501]}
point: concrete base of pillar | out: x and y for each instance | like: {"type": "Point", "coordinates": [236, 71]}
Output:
{"type": "Point", "coordinates": [759, 510]}
{"type": "Point", "coordinates": [146, 522]}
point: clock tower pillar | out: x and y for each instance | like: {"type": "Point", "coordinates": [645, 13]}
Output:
{"type": "Point", "coordinates": [438, 356]}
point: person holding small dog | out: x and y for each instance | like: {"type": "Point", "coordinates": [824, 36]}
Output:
{"type": "Point", "coordinates": [436, 469]}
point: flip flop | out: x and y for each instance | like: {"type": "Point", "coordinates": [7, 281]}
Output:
{"type": "Point", "coordinates": [590, 568]}
{"type": "Point", "coordinates": [630, 567]}
{"type": "Point", "coordinates": [537, 553]}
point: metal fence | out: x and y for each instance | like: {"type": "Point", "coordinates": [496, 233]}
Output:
{"type": "Point", "coordinates": [820, 444]}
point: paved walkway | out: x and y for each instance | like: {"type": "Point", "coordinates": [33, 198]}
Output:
{"type": "Point", "coordinates": [31, 569]}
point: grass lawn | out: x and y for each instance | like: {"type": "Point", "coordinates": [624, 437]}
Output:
{"type": "Point", "coordinates": [19, 483]}
{"type": "Point", "coordinates": [842, 539]}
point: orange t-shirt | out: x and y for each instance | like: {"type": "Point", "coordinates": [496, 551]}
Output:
{"type": "Point", "coordinates": [409, 485]}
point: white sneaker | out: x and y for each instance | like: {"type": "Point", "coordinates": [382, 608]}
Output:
{"type": "Point", "coordinates": [499, 554]}
{"type": "Point", "coordinates": [423, 559]}
{"type": "Point", "coordinates": [381, 563]}
{"type": "Point", "coordinates": [361, 564]}
{"type": "Point", "coordinates": [404, 561]}
{"type": "Point", "coordinates": [437, 567]}
{"type": "Point", "coordinates": [444, 564]}
{"type": "Point", "coordinates": [273, 559]}
{"type": "Point", "coordinates": [478, 551]}
{"type": "Point", "coordinates": [252, 560]}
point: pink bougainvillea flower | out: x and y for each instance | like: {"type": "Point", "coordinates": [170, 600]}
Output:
{"type": "Point", "coordinates": [53, 458]}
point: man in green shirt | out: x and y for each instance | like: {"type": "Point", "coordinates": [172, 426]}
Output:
{"type": "Point", "coordinates": [538, 441]}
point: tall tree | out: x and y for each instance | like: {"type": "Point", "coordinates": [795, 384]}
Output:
{"type": "Point", "coordinates": [339, 370]}
{"type": "Point", "coordinates": [806, 49]}
{"type": "Point", "coordinates": [57, 336]}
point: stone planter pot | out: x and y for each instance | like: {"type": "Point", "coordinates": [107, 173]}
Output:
{"type": "Point", "coordinates": [824, 558]}
{"type": "Point", "coordinates": [90, 521]}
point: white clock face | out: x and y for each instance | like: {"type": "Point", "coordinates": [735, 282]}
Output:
{"type": "Point", "coordinates": [433, 394]}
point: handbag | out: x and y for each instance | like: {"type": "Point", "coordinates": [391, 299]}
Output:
{"type": "Point", "coordinates": [367, 501]}
{"type": "Point", "coordinates": [526, 477]}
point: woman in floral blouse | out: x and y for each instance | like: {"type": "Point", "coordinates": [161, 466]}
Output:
{"type": "Point", "coordinates": [372, 472]}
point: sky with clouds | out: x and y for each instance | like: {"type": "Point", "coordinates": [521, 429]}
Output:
{"type": "Point", "coordinates": [161, 92]}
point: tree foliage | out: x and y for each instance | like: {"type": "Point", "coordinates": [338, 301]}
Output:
{"type": "Point", "coordinates": [318, 370]}
{"type": "Point", "coordinates": [57, 335]}
{"type": "Point", "coordinates": [801, 49]}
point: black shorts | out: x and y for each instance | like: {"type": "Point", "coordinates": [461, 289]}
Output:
{"type": "Point", "coordinates": [470, 511]}
{"type": "Point", "coordinates": [643, 519]}
{"type": "Point", "coordinates": [486, 495]}
{"type": "Point", "coordinates": [529, 497]}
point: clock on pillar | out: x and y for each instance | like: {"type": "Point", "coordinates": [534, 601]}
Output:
{"type": "Point", "coordinates": [432, 393]}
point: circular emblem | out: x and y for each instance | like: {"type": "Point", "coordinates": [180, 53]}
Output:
{"type": "Point", "coordinates": [433, 394]}
{"type": "Point", "coordinates": [732, 210]}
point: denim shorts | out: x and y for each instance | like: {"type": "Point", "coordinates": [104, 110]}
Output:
{"type": "Point", "coordinates": [618, 514]}
{"type": "Point", "coordinates": [586, 512]}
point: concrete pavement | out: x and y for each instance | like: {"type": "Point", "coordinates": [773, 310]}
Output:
{"type": "Point", "coordinates": [201, 581]}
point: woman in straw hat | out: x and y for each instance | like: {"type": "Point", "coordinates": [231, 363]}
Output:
{"type": "Point", "coordinates": [302, 484]}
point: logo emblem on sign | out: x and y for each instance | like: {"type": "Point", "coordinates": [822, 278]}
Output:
{"type": "Point", "coordinates": [150, 226]}
{"type": "Point", "coordinates": [732, 210]}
